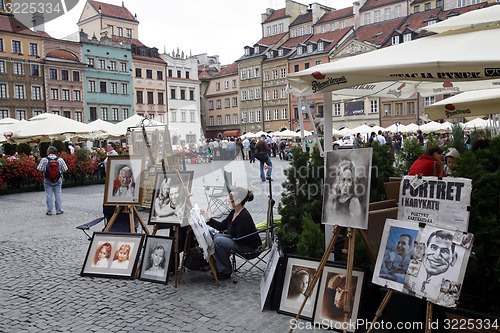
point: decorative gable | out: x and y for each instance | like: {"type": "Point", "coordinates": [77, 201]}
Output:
{"type": "Point", "coordinates": [352, 48]}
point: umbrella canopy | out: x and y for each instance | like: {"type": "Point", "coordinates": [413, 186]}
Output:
{"type": "Point", "coordinates": [473, 58]}
{"type": "Point", "coordinates": [49, 126]}
{"type": "Point", "coordinates": [410, 128]}
{"type": "Point", "coordinates": [431, 127]}
{"type": "Point", "coordinates": [286, 134]}
{"type": "Point", "coordinates": [395, 128]}
{"type": "Point", "coordinates": [470, 103]}
{"type": "Point", "coordinates": [8, 126]}
{"type": "Point", "coordinates": [476, 19]}
{"type": "Point", "coordinates": [102, 125]}
{"type": "Point", "coordinates": [259, 133]}
{"type": "Point", "coordinates": [247, 135]}
{"type": "Point", "coordinates": [363, 129]}
{"type": "Point", "coordinates": [120, 129]}
{"type": "Point", "coordinates": [476, 123]}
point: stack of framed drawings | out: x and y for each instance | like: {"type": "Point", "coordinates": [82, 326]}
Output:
{"type": "Point", "coordinates": [325, 306]}
{"type": "Point", "coordinates": [116, 255]}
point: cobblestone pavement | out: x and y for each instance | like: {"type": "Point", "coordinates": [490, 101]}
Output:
{"type": "Point", "coordinates": [41, 258]}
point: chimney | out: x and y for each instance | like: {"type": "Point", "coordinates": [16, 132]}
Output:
{"type": "Point", "coordinates": [38, 22]}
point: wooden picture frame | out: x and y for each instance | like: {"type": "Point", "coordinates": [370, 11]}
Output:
{"type": "Point", "coordinates": [329, 307]}
{"type": "Point", "coordinates": [156, 259]}
{"type": "Point", "coordinates": [298, 270]}
{"type": "Point", "coordinates": [113, 255]}
{"type": "Point", "coordinates": [162, 211]}
{"type": "Point", "coordinates": [125, 191]}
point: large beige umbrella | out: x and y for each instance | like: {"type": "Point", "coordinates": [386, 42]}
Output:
{"type": "Point", "coordinates": [431, 127]}
{"type": "Point", "coordinates": [102, 125]}
{"type": "Point", "coordinates": [48, 126]}
{"type": "Point", "coordinates": [8, 126]}
{"type": "Point", "coordinates": [120, 129]}
{"type": "Point", "coordinates": [286, 134]}
{"type": "Point", "coordinates": [484, 18]}
{"type": "Point", "coordinates": [476, 123]}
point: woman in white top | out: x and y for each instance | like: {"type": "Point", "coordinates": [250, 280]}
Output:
{"type": "Point", "coordinates": [121, 259]}
{"type": "Point", "coordinates": [102, 254]}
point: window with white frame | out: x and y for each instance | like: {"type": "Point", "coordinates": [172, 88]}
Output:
{"type": "Point", "coordinates": [235, 119]}
{"type": "Point", "coordinates": [274, 73]}
{"type": "Point", "coordinates": [16, 47]}
{"type": "Point", "coordinates": [310, 29]}
{"type": "Point", "coordinates": [407, 37]}
{"type": "Point", "coordinates": [125, 113]}
{"type": "Point", "coordinates": [226, 84]}
{"type": "Point", "coordinates": [301, 31]}
{"type": "Point", "coordinates": [410, 106]}
{"type": "Point", "coordinates": [293, 33]}
{"type": "Point", "coordinates": [266, 95]}
{"type": "Point", "coordinates": [92, 86]}
{"type": "Point", "coordinates": [243, 95]}
{"type": "Point", "coordinates": [268, 114]}
{"type": "Point", "coordinates": [33, 49]}
{"type": "Point", "coordinates": [309, 48]}
{"type": "Point", "coordinates": [429, 100]}
{"type": "Point", "coordinates": [318, 62]}
{"type": "Point", "coordinates": [173, 116]}
{"type": "Point", "coordinates": [114, 114]}
{"type": "Point", "coordinates": [251, 116]}
{"type": "Point", "coordinates": [77, 95]}
{"type": "Point", "coordinates": [114, 88]}
{"type": "Point", "coordinates": [275, 93]}
{"type": "Point", "coordinates": [20, 114]}
{"type": "Point", "coordinates": [102, 64]}
{"type": "Point", "coordinates": [227, 103]}
{"type": "Point", "coordinates": [244, 117]}
{"type": "Point", "coordinates": [269, 55]}
{"type": "Point", "coordinates": [427, 6]}
{"type": "Point", "coordinates": [233, 83]}
{"type": "Point", "coordinates": [65, 94]}
{"type": "Point", "coordinates": [19, 91]}
{"type": "Point", "coordinates": [376, 16]}
{"type": "Point", "coordinates": [332, 26]}
{"type": "Point", "coordinates": [281, 28]}
{"type": "Point", "coordinates": [321, 46]}
{"type": "Point", "coordinates": [123, 67]}
{"type": "Point", "coordinates": [243, 74]}
{"type": "Point", "coordinates": [113, 65]}
{"type": "Point", "coordinates": [323, 29]}
{"type": "Point", "coordinates": [4, 114]}
{"type": "Point", "coordinates": [228, 119]}
{"type": "Point", "coordinates": [250, 93]}
{"type": "Point", "coordinates": [18, 68]}
{"type": "Point", "coordinates": [266, 75]}
{"type": "Point", "coordinates": [256, 72]}
{"type": "Point", "coordinates": [218, 104]}
{"type": "Point", "coordinates": [210, 104]}
{"type": "Point", "coordinates": [217, 86]}
{"type": "Point", "coordinates": [461, 3]}
{"type": "Point", "coordinates": [374, 106]}
{"type": "Point", "coordinates": [235, 101]}
{"type": "Point", "coordinates": [387, 109]}
{"type": "Point", "coordinates": [336, 109]}
{"type": "Point", "coordinates": [282, 73]}
{"type": "Point", "coordinates": [211, 121]}
{"type": "Point", "coordinates": [104, 113]}
{"type": "Point", "coordinates": [399, 109]}
{"type": "Point", "coordinates": [299, 50]}
{"type": "Point", "coordinates": [258, 116]}
{"type": "Point", "coordinates": [79, 116]}
{"type": "Point", "coordinates": [268, 31]}
{"type": "Point", "coordinates": [256, 49]}
{"type": "Point", "coordinates": [283, 93]}
{"type": "Point", "coordinates": [276, 114]}
{"type": "Point", "coordinates": [395, 40]}
{"type": "Point", "coordinates": [192, 117]}
{"type": "Point", "coordinates": [399, 11]}
{"type": "Point", "coordinates": [3, 90]}
{"type": "Point", "coordinates": [128, 33]}
{"type": "Point", "coordinates": [283, 113]}
{"type": "Point", "coordinates": [280, 52]}
{"type": "Point", "coordinates": [416, 9]}
{"type": "Point", "coordinates": [387, 14]}
{"type": "Point", "coordinates": [219, 120]}
{"type": "Point", "coordinates": [368, 18]}
{"type": "Point", "coordinates": [54, 94]}
{"type": "Point", "coordinates": [124, 89]}
{"type": "Point", "coordinates": [120, 31]}
{"type": "Point", "coordinates": [257, 93]}
{"type": "Point", "coordinates": [2, 67]}
{"type": "Point", "coordinates": [247, 51]}
{"type": "Point", "coordinates": [342, 24]}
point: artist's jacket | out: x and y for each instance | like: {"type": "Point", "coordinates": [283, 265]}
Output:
{"type": "Point", "coordinates": [426, 165]}
{"type": "Point", "coordinates": [241, 226]}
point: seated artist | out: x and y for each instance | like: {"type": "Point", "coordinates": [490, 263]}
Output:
{"type": "Point", "coordinates": [237, 224]}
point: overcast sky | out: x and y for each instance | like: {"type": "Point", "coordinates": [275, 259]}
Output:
{"type": "Point", "coordinates": [215, 27]}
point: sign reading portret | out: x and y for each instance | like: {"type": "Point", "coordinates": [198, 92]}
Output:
{"type": "Point", "coordinates": [437, 202]}
{"type": "Point", "coordinates": [347, 187]}
{"type": "Point", "coordinates": [427, 262]}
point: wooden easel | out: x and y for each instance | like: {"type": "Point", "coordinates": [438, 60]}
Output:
{"type": "Point", "coordinates": [132, 211]}
{"type": "Point", "coordinates": [350, 263]}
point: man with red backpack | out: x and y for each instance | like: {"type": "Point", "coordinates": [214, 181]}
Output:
{"type": "Point", "coordinates": [52, 168]}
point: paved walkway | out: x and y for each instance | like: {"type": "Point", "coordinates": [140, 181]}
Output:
{"type": "Point", "coordinates": [41, 258]}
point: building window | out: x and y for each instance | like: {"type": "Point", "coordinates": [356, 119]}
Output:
{"type": "Point", "coordinates": [93, 113]}
{"type": "Point", "coordinates": [103, 86]}
{"type": "Point", "coordinates": [399, 12]}
{"type": "Point", "coordinates": [160, 98]}
{"type": "Point", "coordinates": [395, 40]}
{"type": "Point", "coordinates": [150, 97]}
{"type": "Point", "coordinates": [159, 75]}
{"type": "Point", "coordinates": [120, 31]}
{"type": "Point", "coordinates": [33, 49]}
{"type": "Point", "coordinates": [179, 74]}
{"type": "Point", "coordinates": [124, 89]}
{"type": "Point", "coordinates": [274, 74]}
{"type": "Point", "coordinates": [257, 93]}
{"type": "Point", "coordinates": [76, 76]}
{"type": "Point", "coordinates": [4, 114]}
{"type": "Point", "coordinates": [275, 93]}
{"type": "Point", "coordinates": [54, 94]}
{"type": "Point", "coordinates": [268, 115]}
{"type": "Point", "coordinates": [368, 18]}
{"type": "Point", "coordinates": [183, 116]}
{"type": "Point", "coordinates": [140, 99]}
{"type": "Point", "coordinates": [138, 72]}
{"type": "Point", "coordinates": [64, 75]}
{"type": "Point", "coordinates": [377, 16]}
{"type": "Point", "coordinates": [219, 120]}
{"type": "Point", "coordinates": [228, 119]}
{"type": "Point", "coordinates": [410, 106]}
{"type": "Point", "coordinates": [211, 121]}
{"type": "Point", "coordinates": [18, 68]}
{"type": "Point", "coordinates": [387, 110]}
{"type": "Point", "coordinates": [266, 95]}
{"type": "Point", "coordinates": [53, 74]}
{"type": "Point", "coordinates": [128, 33]}
{"type": "Point", "coordinates": [210, 104]}
{"type": "Point", "coordinates": [218, 104]}
{"type": "Point", "coordinates": [299, 50]}
{"type": "Point", "coordinates": [16, 47]}
{"type": "Point", "coordinates": [429, 100]}
{"type": "Point", "coordinates": [250, 116]}
{"type": "Point", "coordinates": [217, 86]}
{"type": "Point", "coordinates": [77, 95]}
{"type": "Point", "coordinates": [336, 109]}
{"type": "Point", "coordinates": [407, 37]}
{"type": "Point", "coordinates": [123, 66]}
{"type": "Point", "coordinates": [92, 86]}
{"type": "Point", "coordinates": [20, 114]}
{"type": "Point", "coordinates": [416, 9]}
{"type": "Point", "coordinates": [250, 93]}
{"type": "Point", "coordinates": [191, 95]}
{"type": "Point", "coordinates": [235, 101]}
{"type": "Point", "coordinates": [276, 114]}
{"type": "Point", "coordinates": [67, 114]}
{"type": "Point", "coordinates": [460, 3]}
{"type": "Point", "coordinates": [187, 75]}
{"type": "Point", "coordinates": [227, 103]}
{"type": "Point", "coordinates": [149, 74]}
{"type": "Point", "coordinates": [104, 113]}
{"type": "Point", "coordinates": [1, 39]}
{"type": "Point", "coordinates": [374, 106]}
{"type": "Point", "coordinates": [183, 94]}
{"type": "Point", "coordinates": [387, 14]}
{"type": "Point", "coordinates": [114, 88]}
{"type": "Point", "coordinates": [3, 90]}
{"type": "Point", "coordinates": [399, 109]}
{"type": "Point", "coordinates": [192, 117]}
{"type": "Point", "coordinates": [65, 94]}
{"type": "Point", "coordinates": [114, 114]}
{"type": "Point", "coordinates": [125, 113]}
{"type": "Point", "coordinates": [78, 116]}
{"type": "Point", "coordinates": [2, 67]}
{"type": "Point", "coordinates": [113, 65]}
{"type": "Point", "coordinates": [172, 93]}
{"type": "Point", "coordinates": [102, 64]}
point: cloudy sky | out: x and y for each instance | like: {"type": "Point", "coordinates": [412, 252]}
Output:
{"type": "Point", "coordinates": [216, 27]}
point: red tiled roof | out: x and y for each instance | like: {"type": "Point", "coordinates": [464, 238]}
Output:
{"type": "Point", "coordinates": [419, 20]}
{"type": "Point", "coordinates": [335, 15]}
{"type": "Point", "coordinates": [276, 15]}
{"type": "Point", "coordinates": [331, 36]}
{"type": "Point", "coordinates": [113, 11]}
{"type": "Point", "coordinates": [228, 70]}
{"type": "Point", "coordinates": [301, 19]}
{"type": "Point", "coordinates": [206, 72]}
{"type": "Point", "coordinates": [293, 42]}
{"type": "Point", "coordinates": [62, 54]}
{"type": "Point", "coordinates": [132, 41]}
{"type": "Point", "coordinates": [271, 40]}
{"type": "Point", "coordinates": [371, 4]}
{"type": "Point", "coordinates": [377, 33]}
{"type": "Point", "coordinates": [458, 11]}
{"type": "Point", "coordinates": [10, 24]}
{"type": "Point", "coordinates": [146, 58]}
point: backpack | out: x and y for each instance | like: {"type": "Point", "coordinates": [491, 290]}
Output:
{"type": "Point", "coordinates": [52, 169]}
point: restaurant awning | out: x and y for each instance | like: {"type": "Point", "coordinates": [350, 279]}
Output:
{"type": "Point", "coordinates": [229, 133]}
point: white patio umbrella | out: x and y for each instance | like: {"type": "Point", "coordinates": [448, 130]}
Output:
{"type": "Point", "coordinates": [120, 129]}
{"type": "Point", "coordinates": [484, 18]}
{"type": "Point", "coordinates": [395, 128]}
{"type": "Point", "coordinates": [469, 103]}
{"type": "Point", "coordinates": [102, 125]}
{"type": "Point", "coordinates": [8, 126]}
{"type": "Point", "coordinates": [363, 129]}
{"type": "Point", "coordinates": [286, 134]}
{"type": "Point", "coordinates": [478, 123]}
{"type": "Point", "coordinates": [48, 126]}
{"type": "Point", "coordinates": [410, 128]}
{"type": "Point", "coordinates": [259, 133]}
{"type": "Point", "coordinates": [474, 58]}
{"type": "Point", "coordinates": [431, 127]}
{"type": "Point", "coordinates": [345, 131]}
{"type": "Point", "coordinates": [247, 135]}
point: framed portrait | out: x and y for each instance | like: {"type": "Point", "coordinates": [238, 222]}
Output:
{"type": "Point", "coordinates": [156, 258]}
{"type": "Point", "coordinates": [112, 255]}
{"type": "Point", "coordinates": [332, 296]}
{"type": "Point", "coordinates": [123, 180]}
{"type": "Point", "coordinates": [347, 187]}
{"type": "Point", "coordinates": [298, 274]}
{"type": "Point", "coordinates": [170, 196]}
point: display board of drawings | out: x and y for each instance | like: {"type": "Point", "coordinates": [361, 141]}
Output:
{"type": "Point", "coordinates": [425, 252]}
{"type": "Point", "coordinates": [153, 143]}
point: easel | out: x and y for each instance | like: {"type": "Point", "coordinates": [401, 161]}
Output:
{"type": "Point", "coordinates": [131, 211]}
{"type": "Point", "coordinates": [350, 263]}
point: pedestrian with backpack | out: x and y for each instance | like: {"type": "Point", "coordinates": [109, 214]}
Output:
{"type": "Point", "coordinates": [52, 168]}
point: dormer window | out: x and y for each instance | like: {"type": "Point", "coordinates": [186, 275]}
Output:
{"type": "Point", "coordinates": [309, 48]}
{"type": "Point", "coordinates": [270, 54]}
{"type": "Point", "coordinates": [280, 52]}
{"type": "Point", "coordinates": [293, 33]}
{"type": "Point", "coordinates": [406, 37]}
{"type": "Point", "coordinates": [247, 51]}
{"type": "Point", "coordinates": [395, 40]}
{"type": "Point", "coordinates": [256, 50]}
{"type": "Point", "coordinates": [299, 50]}
{"type": "Point", "coordinates": [321, 46]}
{"type": "Point", "coordinates": [301, 31]}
